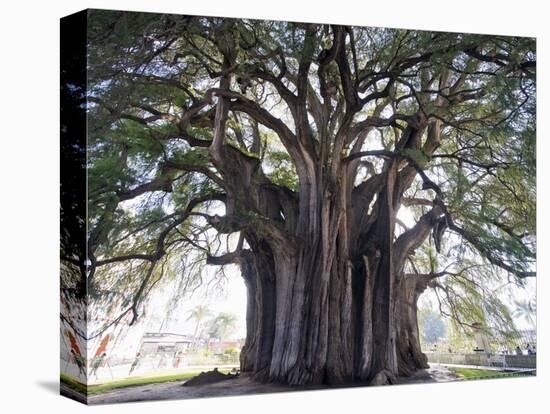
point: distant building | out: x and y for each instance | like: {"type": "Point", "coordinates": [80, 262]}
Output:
{"type": "Point", "coordinates": [164, 343]}
{"type": "Point", "coordinates": [220, 347]}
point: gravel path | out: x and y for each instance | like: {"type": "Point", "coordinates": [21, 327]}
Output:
{"type": "Point", "coordinates": [239, 386]}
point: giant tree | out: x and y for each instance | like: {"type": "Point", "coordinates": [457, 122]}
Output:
{"type": "Point", "coordinates": [327, 154]}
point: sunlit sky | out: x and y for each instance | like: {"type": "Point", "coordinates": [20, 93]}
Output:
{"type": "Point", "coordinates": [232, 300]}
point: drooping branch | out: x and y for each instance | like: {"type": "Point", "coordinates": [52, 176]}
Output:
{"type": "Point", "coordinates": [487, 252]}
{"type": "Point", "coordinates": [159, 251]}
{"type": "Point", "coordinates": [413, 238]}
{"type": "Point", "coordinates": [227, 258]}
{"type": "Point", "coordinates": [473, 239]}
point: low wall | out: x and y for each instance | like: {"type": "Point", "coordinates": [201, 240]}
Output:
{"type": "Point", "coordinates": [479, 359]}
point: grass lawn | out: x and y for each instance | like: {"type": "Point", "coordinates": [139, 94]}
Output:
{"type": "Point", "coordinates": [474, 373]}
{"type": "Point", "coordinates": [128, 382]}
{"type": "Point", "coordinates": [71, 383]}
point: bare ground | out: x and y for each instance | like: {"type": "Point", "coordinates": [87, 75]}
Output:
{"type": "Point", "coordinates": [238, 386]}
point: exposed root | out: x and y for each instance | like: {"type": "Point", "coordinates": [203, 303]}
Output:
{"type": "Point", "coordinates": [209, 377]}
{"type": "Point", "coordinates": [384, 377]}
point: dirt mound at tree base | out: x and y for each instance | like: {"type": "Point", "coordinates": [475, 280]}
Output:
{"type": "Point", "coordinates": [209, 377]}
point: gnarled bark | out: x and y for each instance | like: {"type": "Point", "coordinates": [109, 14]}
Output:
{"type": "Point", "coordinates": [319, 314]}
{"type": "Point", "coordinates": [328, 300]}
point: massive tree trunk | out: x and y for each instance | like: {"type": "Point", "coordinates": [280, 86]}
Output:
{"type": "Point", "coordinates": [325, 304]}
{"type": "Point", "coordinates": [409, 354]}
{"type": "Point", "coordinates": [324, 265]}
{"type": "Point", "coordinates": [357, 324]}
{"type": "Point", "coordinates": [350, 337]}
{"type": "Point", "coordinates": [321, 312]}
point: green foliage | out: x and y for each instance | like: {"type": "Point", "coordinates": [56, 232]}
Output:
{"type": "Point", "coordinates": [431, 326]}
{"type": "Point", "coordinates": [526, 310]}
{"type": "Point", "coordinates": [460, 339]}
{"type": "Point", "coordinates": [221, 326]}
{"type": "Point", "coordinates": [283, 171]}
{"type": "Point", "coordinates": [232, 352]}
{"type": "Point", "coordinates": [417, 156]}
{"type": "Point", "coordinates": [148, 70]}
{"type": "Point", "coordinates": [474, 373]}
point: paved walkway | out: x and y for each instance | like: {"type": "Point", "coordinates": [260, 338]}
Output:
{"type": "Point", "coordinates": [176, 391]}
{"type": "Point", "coordinates": [436, 373]}
{"type": "Point", "coordinates": [238, 386]}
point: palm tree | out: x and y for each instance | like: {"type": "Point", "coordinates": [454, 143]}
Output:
{"type": "Point", "coordinates": [198, 313]}
{"type": "Point", "coordinates": [222, 325]}
{"type": "Point", "coordinates": [526, 309]}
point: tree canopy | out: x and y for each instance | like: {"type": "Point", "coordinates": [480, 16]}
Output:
{"type": "Point", "coordinates": [387, 150]}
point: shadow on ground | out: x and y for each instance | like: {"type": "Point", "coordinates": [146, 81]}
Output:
{"type": "Point", "coordinates": [238, 386]}
{"type": "Point", "coordinates": [50, 386]}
